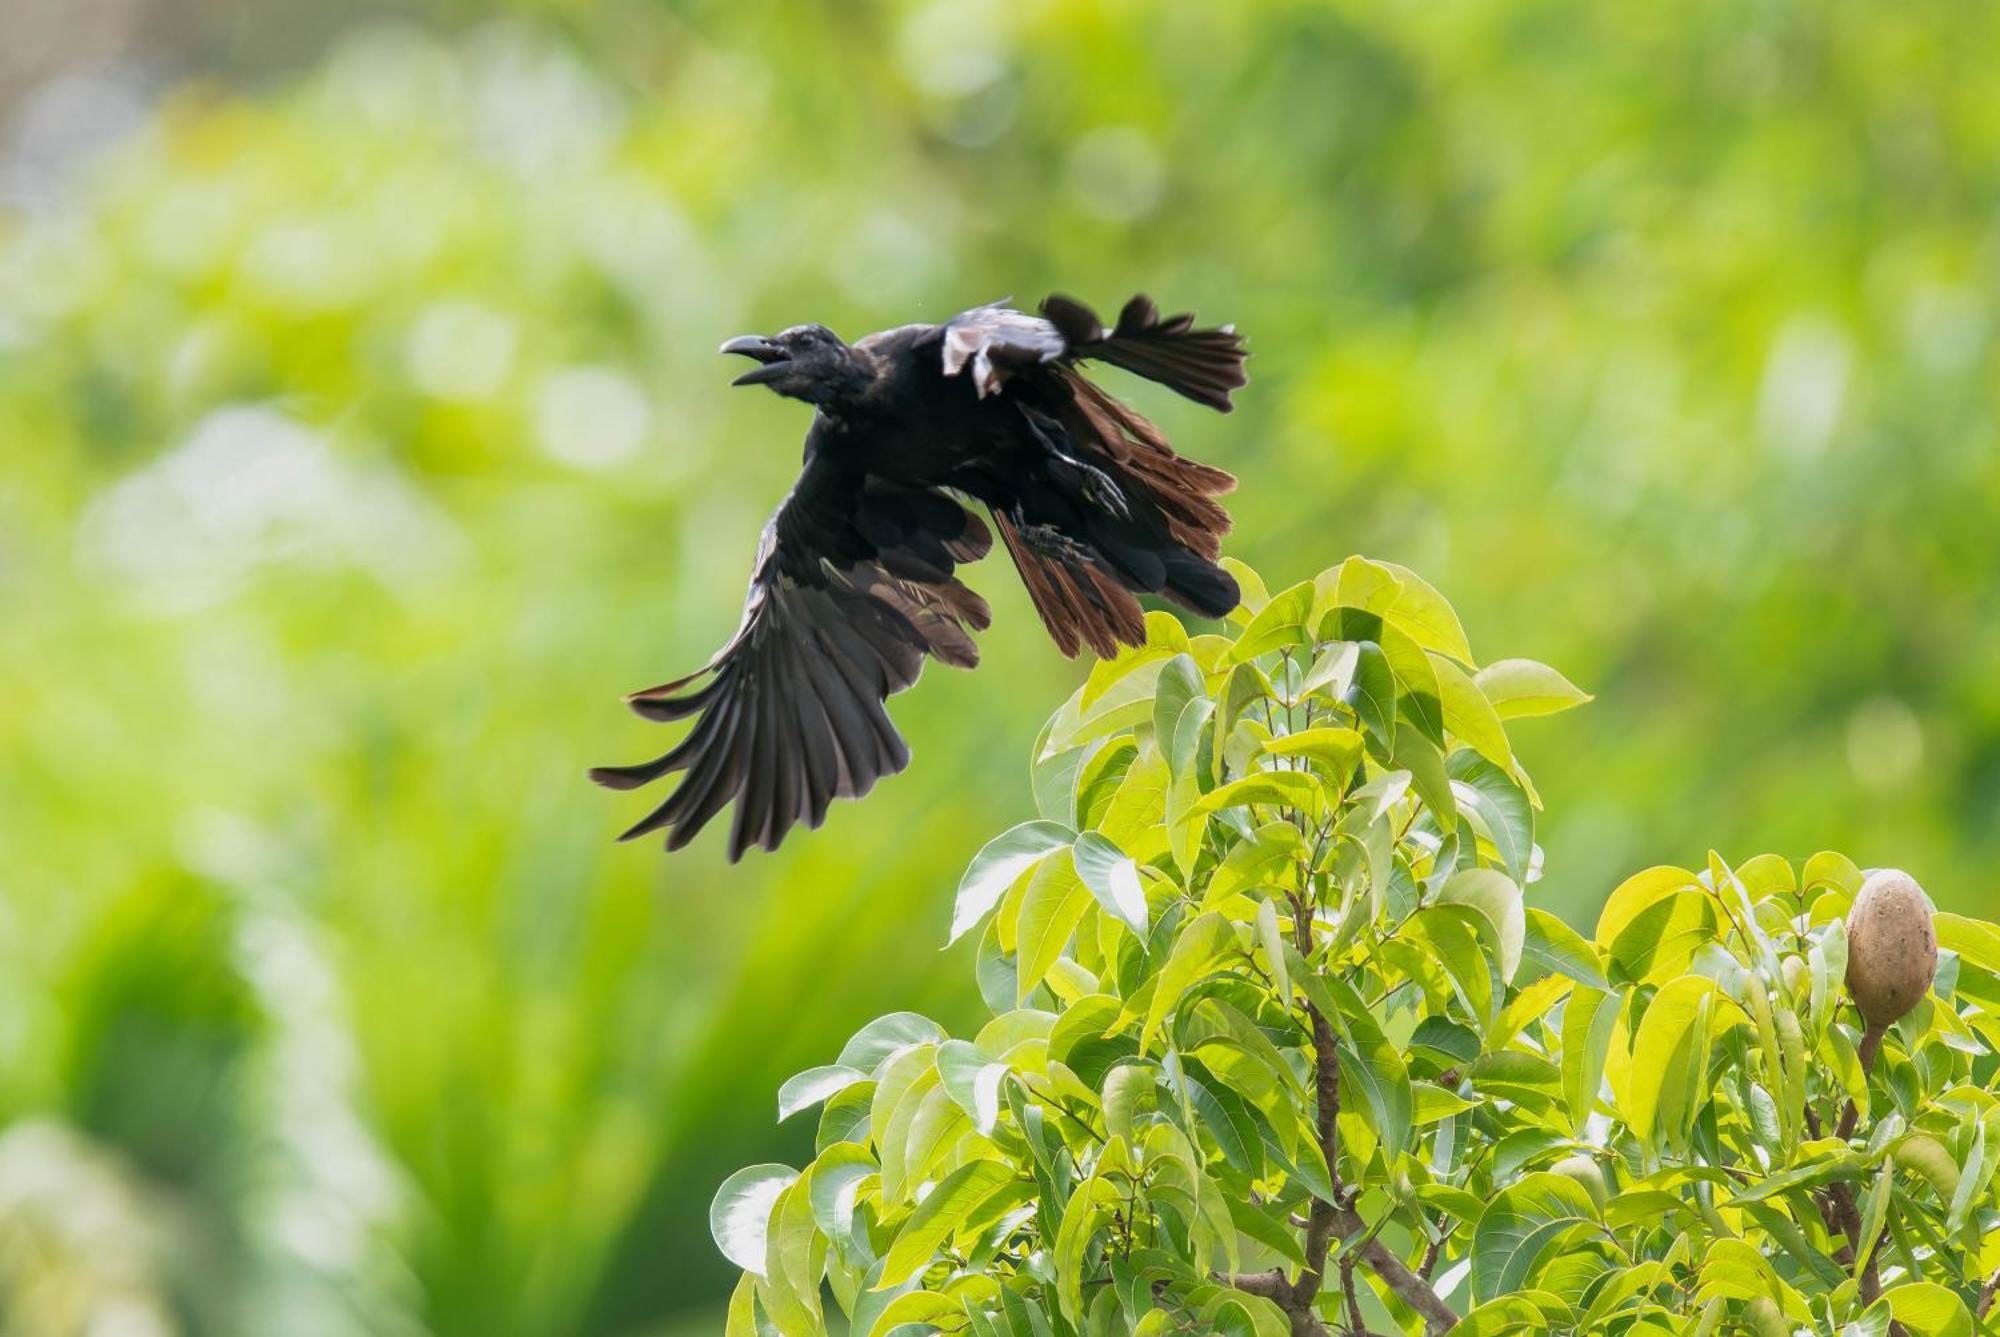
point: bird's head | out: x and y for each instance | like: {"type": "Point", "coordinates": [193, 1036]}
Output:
{"type": "Point", "coordinates": [806, 362]}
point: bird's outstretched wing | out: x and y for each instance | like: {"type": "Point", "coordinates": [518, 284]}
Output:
{"type": "Point", "coordinates": [853, 586]}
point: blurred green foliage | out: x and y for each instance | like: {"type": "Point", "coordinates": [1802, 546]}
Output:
{"type": "Point", "coordinates": [363, 440]}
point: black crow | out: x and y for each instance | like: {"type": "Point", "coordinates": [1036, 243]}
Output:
{"type": "Point", "coordinates": [853, 583]}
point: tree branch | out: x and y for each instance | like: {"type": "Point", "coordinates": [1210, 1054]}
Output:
{"type": "Point", "coordinates": [1843, 1197]}
{"type": "Point", "coordinates": [1356, 1324]}
{"type": "Point", "coordinates": [1410, 1288]}
{"type": "Point", "coordinates": [1326, 1220]}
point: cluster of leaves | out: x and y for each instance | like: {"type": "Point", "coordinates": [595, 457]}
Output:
{"type": "Point", "coordinates": [1277, 1045]}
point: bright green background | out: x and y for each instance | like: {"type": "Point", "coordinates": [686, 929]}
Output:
{"type": "Point", "coordinates": [363, 441]}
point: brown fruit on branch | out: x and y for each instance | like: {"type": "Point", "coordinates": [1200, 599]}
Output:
{"type": "Point", "coordinates": [1891, 947]}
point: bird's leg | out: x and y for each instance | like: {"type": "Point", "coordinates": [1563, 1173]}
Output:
{"type": "Point", "coordinates": [1095, 485]}
{"type": "Point", "coordinates": [1046, 540]}
{"type": "Point", "coordinates": [1100, 489]}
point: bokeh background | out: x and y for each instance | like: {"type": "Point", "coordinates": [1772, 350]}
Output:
{"type": "Point", "coordinates": [362, 439]}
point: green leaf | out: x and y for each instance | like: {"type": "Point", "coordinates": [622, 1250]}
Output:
{"type": "Point", "coordinates": [1338, 748]}
{"type": "Point", "coordinates": [1522, 688]}
{"type": "Point", "coordinates": [1469, 716]}
{"type": "Point", "coordinates": [1079, 1222]}
{"type": "Point", "coordinates": [1499, 806]}
{"type": "Point", "coordinates": [1054, 781]}
{"type": "Point", "coordinates": [918, 1309]}
{"type": "Point", "coordinates": [1372, 1066]}
{"type": "Point", "coordinates": [1180, 706]}
{"type": "Point", "coordinates": [1929, 1308]}
{"type": "Point", "coordinates": [1211, 1020]}
{"type": "Point", "coordinates": [1975, 941]}
{"type": "Point", "coordinates": [1359, 583]}
{"type": "Point", "coordinates": [884, 1036]}
{"type": "Point", "coordinates": [1281, 622]}
{"type": "Point", "coordinates": [1636, 893]}
{"type": "Point", "coordinates": [995, 868]}
{"type": "Point", "coordinates": [1496, 897]}
{"type": "Point", "coordinates": [1165, 638]}
{"type": "Point", "coordinates": [972, 1080]}
{"type": "Point", "coordinates": [813, 1085]}
{"type": "Point", "coordinates": [1661, 1060]}
{"type": "Point", "coordinates": [1520, 1225]}
{"type": "Point", "coordinates": [1235, 1137]}
{"type": "Point", "coordinates": [742, 1320]}
{"type": "Point", "coordinates": [1379, 1075]}
{"type": "Point", "coordinates": [1273, 1232]}
{"type": "Point", "coordinates": [938, 1215]}
{"type": "Point", "coordinates": [1416, 683]}
{"type": "Point", "coordinates": [1270, 857]}
{"type": "Point", "coordinates": [1425, 616]}
{"type": "Point", "coordinates": [1419, 756]}
{"type": "Point", "coordinates": [1200, 944]}
{"type": "Point", "coordinates": [1589, 1018]}
{"type": "Point", "coordinates": [1433, 1102]}
{"type": "Point", "coordinates": [1451, 934]}
{"type": "Point", "coordinates": [1272, 938]}
{"type": "Point", "coordinates": [1279, 789]}
{"type": "Point", "coordinates": [1373, 695]}
{"type": "Point", "coordinates": [740, 1217]}
{"type": "Point", "coordinates": [836, 1180]}
{"type": "Point", "coordinates": [1809, 1173]}
{"type": "Point", "coordinates": [1050, 911]}
{"type": "Point", "coordinates": [1555, 946]}
{"type": "Point", "coordinates": [1132, 821]}
{"type": "Point", "coordinates": [1972, 1178]}
{"type": "Point", "coordinates": [794, 1262]}
{"type": "Point", "coordinates": [1113, 878]}
{"type": "Point", "coordinates": [1830, 869]}
{"type": "Point", "coordinates": [1124, 704]}
{"type": "Point", "coordinates": [1333, 668]}
{"type": "Point", "coordinates": [1504, 1317]}
{"type": "Point", "coordinates": [846, 1117]}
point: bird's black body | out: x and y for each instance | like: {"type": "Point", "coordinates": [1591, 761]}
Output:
{"type": "Point", "coordinates": [854, 580]}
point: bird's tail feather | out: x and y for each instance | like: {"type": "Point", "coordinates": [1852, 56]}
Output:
{"type": "Point", "coordinates": [1080, 602]}
{"type": "Point", "coordinates": [1206, 365]}
{"type": "Point", "coordinates": [1182, 491]}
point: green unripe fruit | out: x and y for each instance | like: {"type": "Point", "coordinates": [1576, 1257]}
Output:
{"type": "Point", "coordinates": [1891, 947]}
{"type": "Point", "coordinates": [1794, 971]}
{"type": "Point", "coordinates": [1766, 1319]}
{"type": "Point", "coordinates": [1585, 1171]}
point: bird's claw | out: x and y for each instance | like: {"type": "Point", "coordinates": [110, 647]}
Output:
{"type": "Point", "coordinates": [1097, 486]}
{"type": "Point", "coordinates": [1104, 493]}
{"type": "Point", "coordinates": [1048, 541]}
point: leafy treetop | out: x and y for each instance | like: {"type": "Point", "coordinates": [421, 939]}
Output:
{"type": "Point", "coordinates": [1278, 1047]}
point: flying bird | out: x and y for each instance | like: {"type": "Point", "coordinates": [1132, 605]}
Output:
{"type": "Point", "coordinates": [854, 579]}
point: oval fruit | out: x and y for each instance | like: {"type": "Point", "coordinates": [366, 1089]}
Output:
{"type": "Point", "coordinates": [1585, 1171]}
{"type": "Point", "coordinates": [1766, 1319]}
{"type": "Point", "coordinates": [1891, 947]}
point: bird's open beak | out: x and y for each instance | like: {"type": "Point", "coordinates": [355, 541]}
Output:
{"type": "Point", "coordinates": [757, 346]}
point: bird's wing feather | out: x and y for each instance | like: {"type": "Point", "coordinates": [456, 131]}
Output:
{"type": "Point", "coordinates": [997, 341]}
{"type": "Point", "coordinates": [853, 587]}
